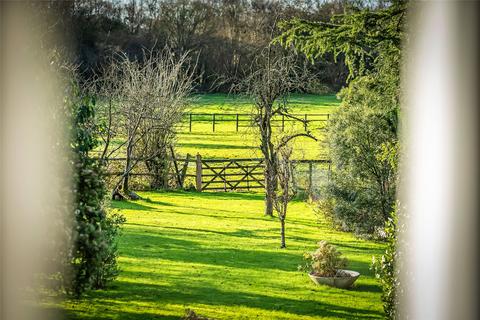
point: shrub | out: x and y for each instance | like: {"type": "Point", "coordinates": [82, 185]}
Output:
{"type": "Point", "coordinates": [109, 269]}
{"type": "Point", "coordinates": [385, 270]}
{"type": "Point", "coordinates": [325, 261]}
{"type": "Point", "coordinates": [360, 192]}
{"type": "Point", "coordinates": [364, 128]}
{"type": "Point", "coordinates": [94, 246]}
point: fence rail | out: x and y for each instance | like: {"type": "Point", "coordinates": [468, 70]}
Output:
{"type": "Point", "coordinates": [246, 119]}
{"type": "Point", "coordinates": [229, 174]}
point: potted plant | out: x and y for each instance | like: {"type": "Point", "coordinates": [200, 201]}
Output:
{"type": "Point", "coordinates": [326, 266]}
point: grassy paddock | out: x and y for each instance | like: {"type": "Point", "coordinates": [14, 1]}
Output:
{"type": "Point", "coordinates": [217, 254]}
{"type": "Point", "coordinates": [225, 142]}
{"type": "Point", "coordinates": [301, 103]}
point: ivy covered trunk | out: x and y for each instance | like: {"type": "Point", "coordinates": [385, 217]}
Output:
{"type": "Point", "coordinates": [159, 168]}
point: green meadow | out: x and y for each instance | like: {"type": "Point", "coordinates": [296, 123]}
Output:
{"type": "Point", "coordinates": [226, 142]}
{"type": "Point", "coordinates": [216, 253]}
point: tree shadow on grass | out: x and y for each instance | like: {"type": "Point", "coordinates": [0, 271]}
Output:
{"type": "Point", "coordinates": [218, 195]}
{"type": "Point", "coordinates": [130, 205]}
{"type": "Point", "coordinates": [241, 233]}
{"type": "Point", "coordinates": [358, 246]}
{"type": "Point", "coordinates": [368, 287]}
{"type": "Point", "coordinates": [200, 294]}
{"type": "Point", "coordinates": [165, 247]}
{"type": "Point", "coordinates": [110, 314]}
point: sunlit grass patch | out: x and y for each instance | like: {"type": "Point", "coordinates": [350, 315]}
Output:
{"type": "Point", "coordinates": [217, 254]}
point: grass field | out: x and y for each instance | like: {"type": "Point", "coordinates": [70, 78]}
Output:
{"type": "Point", "coordinates": [217, 254]}
{"type": "Point", "coordinates": [301, 103]}
{"type": "Point", "coordinates": [225, 142]}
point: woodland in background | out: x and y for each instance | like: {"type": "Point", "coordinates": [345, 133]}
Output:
{"type": "Point", "coordinates": [224, 36]}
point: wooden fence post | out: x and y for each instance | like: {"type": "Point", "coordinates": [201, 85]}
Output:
{"type": "Point", "coordinates": [198, 176]}
{"type": "Point", "coordinates": [213, 122]}
{"type": "Point", "coordinates": [175, 165]}
{"type": "Point", "coordinates": [237, 122]}
{"type": "Point", "coordinates": [310, 179]}
{"type": "Point", "coordinates": [190, 122]}
{"type": "Point", "coordinates": [184, 170]}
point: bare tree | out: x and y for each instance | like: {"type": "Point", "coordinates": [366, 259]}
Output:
{"type": "Point", "coordinates": [275, 74]}
{"type": "Point", "coordinates": [159, 134]}
{"type": "Point", "coordinates": [189, 23]}
{"type": "Point", "coordinates": [285, 193]}
{"type": "Point", "coordinates": [143, 100]}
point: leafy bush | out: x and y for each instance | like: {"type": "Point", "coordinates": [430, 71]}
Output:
{"type": "Point", "coordinates": [385, 270]}
{"type": "Point", "coordinates": [363, 147]}
{"type": "Point", "coordinates": [94, 247]}
{"type": "Point", "coordinates": [109, 268]}
{"type": "Point", "coordinates": [363, 132]}
{"type": "Point", "coordinates": [325, 261]}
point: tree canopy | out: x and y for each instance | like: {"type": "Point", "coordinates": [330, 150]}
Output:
{"type": "Point", "coordinates": [362, 37]}
{"type": "Point", "coordinates": [362, 135]}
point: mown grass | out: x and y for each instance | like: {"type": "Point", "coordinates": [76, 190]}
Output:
{"type": "Point", "coordinates": [217, 254]}
{"type": "Point", "coordinates": [226, 142]}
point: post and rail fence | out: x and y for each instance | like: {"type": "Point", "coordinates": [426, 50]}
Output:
{"type": "Point", "coordinates": [232, 174]}
{"type": "Point", "coordinates": [242, 120]}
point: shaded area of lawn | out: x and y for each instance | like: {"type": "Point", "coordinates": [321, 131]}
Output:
{"type": "Point", "coordinates": [217, 254]}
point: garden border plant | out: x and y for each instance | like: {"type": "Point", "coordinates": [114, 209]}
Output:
{"type": "Point", "coordinates": [92, 259]}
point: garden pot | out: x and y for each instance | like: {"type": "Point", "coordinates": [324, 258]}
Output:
{"type": "Point", "coordinates": [344, 281]}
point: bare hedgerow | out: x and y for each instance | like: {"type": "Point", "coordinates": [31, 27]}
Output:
{"type": "Point", "coordinates": [143, 101]}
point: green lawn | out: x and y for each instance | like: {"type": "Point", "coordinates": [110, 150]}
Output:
{"type": "Point", "coordinates": [217, 254]}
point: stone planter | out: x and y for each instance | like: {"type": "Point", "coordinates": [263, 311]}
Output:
{"type": "Point", "coordinates": [344, 281]}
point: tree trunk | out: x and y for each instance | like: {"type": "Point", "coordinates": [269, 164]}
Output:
{"type": "Point", "coordinates": [270, 187]}
{"type": "Point", "coordinates": [158, 167]}
{"type": "Point", "coordinates": [282, 232]}
{"type": "Point", "coordinates": [126, 189]}
{"type": "Point", "coordinates": [127, 170]}
{"type": "Point", "coordinates": [268, 204]}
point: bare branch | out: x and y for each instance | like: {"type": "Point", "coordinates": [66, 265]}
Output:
{"type": "Point", "coordinates": [285, 140]}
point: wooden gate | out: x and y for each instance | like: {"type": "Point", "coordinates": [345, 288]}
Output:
{"type": "Point", "coordinates": [229, 174]}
